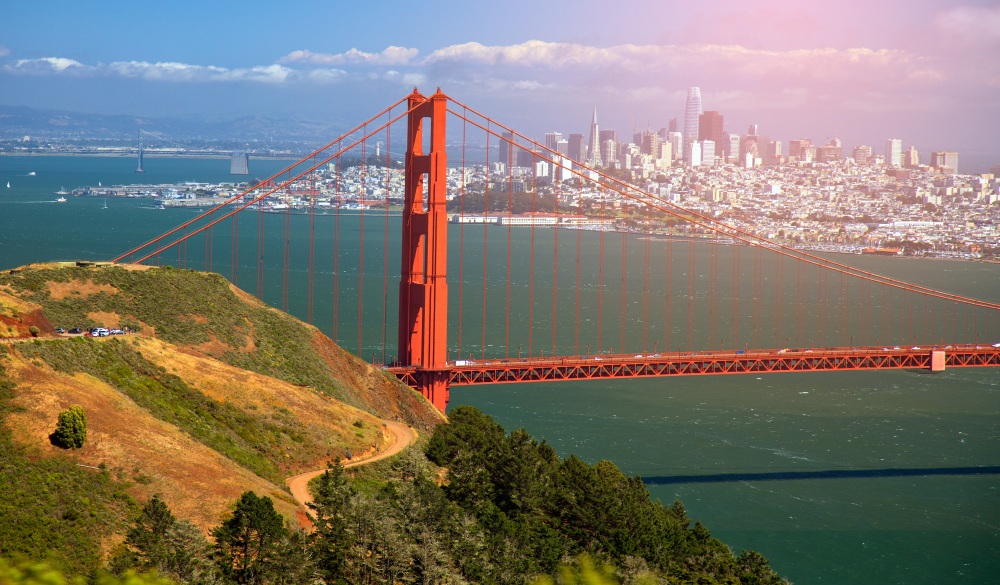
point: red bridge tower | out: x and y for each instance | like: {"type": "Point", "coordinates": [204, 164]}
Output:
{"type": "Point", "coordinates": [423, 289]}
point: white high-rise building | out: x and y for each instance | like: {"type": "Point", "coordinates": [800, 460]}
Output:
{"type": "Point", "coordinates": [734, 147]}
{"type": "Point", "coordinates": [594, 146]}
{"type": "Point", "coordinates": [894, 152]}
{"type": "Point", "coordinates": [692, 112]}
{"type": "Point", "coordinates": [708, 152]}
{"type": "Point", "coordinates": [695, 156]}
{"type": "Point", "coordinates": [676, 140]}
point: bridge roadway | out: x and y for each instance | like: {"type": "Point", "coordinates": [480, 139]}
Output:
{"type": "Point", "coordinates": [650, 365]}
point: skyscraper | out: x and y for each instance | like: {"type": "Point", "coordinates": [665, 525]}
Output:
{"type": "Point", "coordinates": [505, 148]}
{"type": "Point", "coordinates": [945, 162]}
{"type": "Point", "coordinates": [552, 139]}
{"type": "Point", "coordinates": [710, 128]}
{"type": "Point", "coordinates": [692, 111]}
{"type": "Point", "coordinates": [894, 152]}
{"type": "Point", "coordinates": [594, 146]}
{"type": "Point", "coordinates": [576, 148]}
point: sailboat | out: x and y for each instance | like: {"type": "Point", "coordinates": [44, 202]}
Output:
{"type": "Point", "coordinates": [105, 203]}
{"type": "Point", "coordinates": [8, 184]}
{"type": "Point", "coordinates": [62, 191]}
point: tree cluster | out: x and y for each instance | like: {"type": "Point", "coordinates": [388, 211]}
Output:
{"type": "Point", "coordinates": [511, 510]}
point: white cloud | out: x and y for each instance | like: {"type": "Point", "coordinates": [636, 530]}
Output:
{"type": "Point", "coordinates": [46, 65]}
{"type": "Point", "coordinates": [390, 56]}
{"type": "Point", "coordinates": [4, 51]}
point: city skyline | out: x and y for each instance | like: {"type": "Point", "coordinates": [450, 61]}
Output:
{"type": "Point", "coordinates": [920, 71]}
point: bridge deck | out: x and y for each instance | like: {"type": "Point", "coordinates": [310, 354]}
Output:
{"type": "Point", "coordinates": [598, 367]}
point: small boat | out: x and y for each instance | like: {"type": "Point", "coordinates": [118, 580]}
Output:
{"type": "Point", "coordinates": [62, 191]}
{"type": "Point", "coordinates": [61, 200]}
{"type": "Point", "coordinates": [31, 174]}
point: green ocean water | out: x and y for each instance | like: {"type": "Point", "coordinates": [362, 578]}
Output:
{"type": "Point", "coordinates": [755, 458]}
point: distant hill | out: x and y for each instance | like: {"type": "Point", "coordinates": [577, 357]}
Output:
{"type": "Point", "coordinates": [18, 121]}
{"type": "Point", "coordinates": [213, 395]}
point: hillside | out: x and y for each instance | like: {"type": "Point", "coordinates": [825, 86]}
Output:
{"type": "Point", "coordinates": [214, 395]}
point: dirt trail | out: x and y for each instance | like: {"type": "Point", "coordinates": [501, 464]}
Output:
{"type": "Point", "coordinates": [404, 437]}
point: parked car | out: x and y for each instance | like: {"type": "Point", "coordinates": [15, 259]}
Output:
{"type": "Point", "coordinates": [116, 332]}
{"type": "Point", "coordinates": [60, 330]}
{"type": "Point", "coordinates": [99, 332]}
{"type": "Point", "coordinates": [76, 331]}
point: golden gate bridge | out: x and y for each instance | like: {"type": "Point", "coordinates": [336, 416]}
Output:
{"type": "Point", "coordinates": [708, 297]}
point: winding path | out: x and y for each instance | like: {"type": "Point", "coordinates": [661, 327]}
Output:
{"type": "Point", "coordinates": [404, 437]}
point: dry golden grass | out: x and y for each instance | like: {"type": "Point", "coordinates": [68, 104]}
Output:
{"type": "Point", "coordinates": [195, 481]}
{"type": "Point", "coordinates": [327, 424]}
{"type": "Point", "coordinates": [109, 320]}
{"type": "Point", "coordinates": [10, 303]}
{"type": "Point", "coordinates": [78, 288]}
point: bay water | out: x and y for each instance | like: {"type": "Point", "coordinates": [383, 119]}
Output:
{"type": "Point", "coordinates": [848, 477]}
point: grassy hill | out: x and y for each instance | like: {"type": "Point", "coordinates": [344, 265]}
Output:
{"type": "Point", "coordinates": [215, 394]}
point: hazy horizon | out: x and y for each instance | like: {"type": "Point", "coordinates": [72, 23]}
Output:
{"type": "Point", "coordinates": [924, 72]}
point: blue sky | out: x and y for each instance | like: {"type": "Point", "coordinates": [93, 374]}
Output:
{"type": "Point", "coordinates": [924, 71]}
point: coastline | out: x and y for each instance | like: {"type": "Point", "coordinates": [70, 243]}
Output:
{"type": "Point", "coordinates": [147, 154]}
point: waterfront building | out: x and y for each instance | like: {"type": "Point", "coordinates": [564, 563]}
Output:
{"type": "Point", "coordinates": [945, 162]}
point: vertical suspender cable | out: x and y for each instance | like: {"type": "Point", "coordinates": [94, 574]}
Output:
{"type": "Point", "coordinates": [461, 238]}
{"type": "Point", "coordinates": [260, 250]}
{"type": "Point", "coordinates": [510, 213]}
{"type": "Point", "coordinates": [336, 249]}
{"type": "Point", "coordinates": [311, 276]}
{"type": "Point", "coordinates": [645, 283]}
{"type": "Point", "coordinates": [361, 236]}
{"type": "Point", "coordinates": [623, 287]}
{"type": "Point", "coordinates": [579, 241]}
{"type": "Point", "coordinates": [555, 266]}
{"type": "Point", "coordinates": [486, 212]}
{"type": "Point", "coordinates": [385, 238]}
{"type": "Point", "coordinates": [668, 287]}
{"type": "Point", "coordinates": [234, 251]}
{"type": "Point", "coordinates": [286, 242]}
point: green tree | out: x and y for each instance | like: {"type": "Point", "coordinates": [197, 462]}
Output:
{"type": "Point", "coordinates": [160, 542]}
{"type": "Point", "coordinates": [249, 543]}
{"type": "Point", "coordinates": [71, 429]}
{"type": "Point", "coordinates": [331, 539]}
{"type": "Point", "coordinates": [149, 536]}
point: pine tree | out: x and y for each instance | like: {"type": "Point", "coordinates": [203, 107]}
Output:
{"type": "Point", "coordinates": [249, 542]}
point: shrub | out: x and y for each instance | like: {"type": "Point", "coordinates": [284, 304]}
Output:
{"type": "Point", "coordinates": [71, 430]}
{"type": "Point", "coordinates": [34, 331]}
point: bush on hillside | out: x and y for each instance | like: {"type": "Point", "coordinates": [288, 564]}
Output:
{"type": "Point", "coordinates": [71, 430]}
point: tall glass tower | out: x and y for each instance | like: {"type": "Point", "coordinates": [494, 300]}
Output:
{"type": "Point", "coordinates": [692, 111]}
{"type": "Point", "coordinates": [594, 148]}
